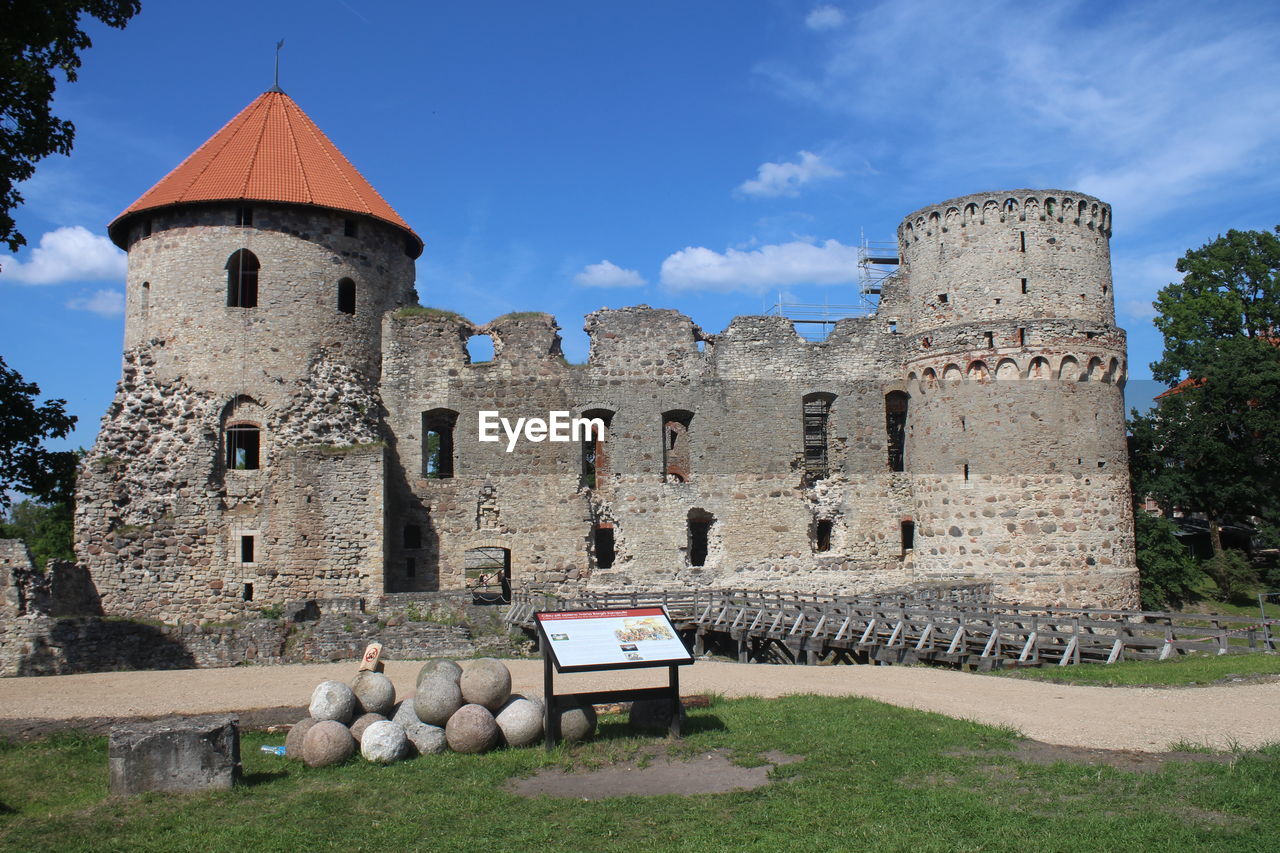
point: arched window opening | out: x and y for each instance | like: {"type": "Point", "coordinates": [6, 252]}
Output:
{"type": "Point", "coordinates": [700, 523]}
{"type": "Point", "coordinates": [145, 299]}
{"type": "Point", "coordinates": [603, 545]}
{"type": "Point", "coordinates": [895, 422]}
{"type": "Point", "coordinates": [242, 280]}
{"type": "Point", "coordinates": [675, 445]}
{"type": "Point", "coordinates": [244, 447]}
{"type": "Point", "coordinates": [437, 443]}
{"type": "Point", "coordinates": [346, 296]}
{"type": "Point", "coordinates": [595, 455]}
{"type": "Point", "coordinates": [822, 535]}
{"type": "Point", "coordinates": [479, 349]}
{"type": "Point", "coordinates": [816, 416]}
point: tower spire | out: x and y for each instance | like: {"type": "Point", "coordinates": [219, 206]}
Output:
{"type": "Point", "coordinates": [276, 86]}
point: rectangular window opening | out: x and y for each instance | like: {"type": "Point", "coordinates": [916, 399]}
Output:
{"type": "Point", "coordinates": [1024, 285]}
{"type": "Point", "coordinates": [991, 339]}
{"type": "Point", "coordinates": [412, 537]}
{"type": "Point", "coordinates": [942, 299]}
{"type": "Point", "coordinates": [1022, 337]}
{"type": "Point", "coordinates": [246, 549]}
{"type": "Point", "coordinates": [699, 534]}
{"type": "Point", "coordinates": [816, 417]}
{"type": "Point", "coordinates": [966, 471]}
{"type": "Point", "coordinates": [822, 536]}
{"type": "Point", "coordinates": [1022, 241]}
{"type": "Point", "coordinates": [244, 216]}
{"type": "Point", "coordinates": [248, 592]}
{"type": "Point", "coordinates": [908, 530]}
{"type": "Point", "coordinates": [604, 546]}
{"type": "Point", "coordinates": [437, 443]}
{"type": "Point", "coordinates": [349, 227]}
{"type": "Point", "coordinates": [410, 567]}
{"type": "Point", "coordinates": [244, 444]}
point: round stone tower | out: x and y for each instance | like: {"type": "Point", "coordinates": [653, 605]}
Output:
{"type": "Point", "coordinates": [242, 462]}
{"type": "Point", "coordinates": [262, 250]}
{"type": "Point", "coordinates": [1016, 444]}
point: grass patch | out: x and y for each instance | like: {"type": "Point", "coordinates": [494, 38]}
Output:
{"type": "Point", "coordinates": [422, 311]}
{"type": "Point", "coordinates": [1175, 672]}
{"type": "Point", "coordinates": [873, 777]}
{"type": "Point", "coordinates": [519, 315]}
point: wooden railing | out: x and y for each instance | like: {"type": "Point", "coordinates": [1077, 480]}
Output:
{"type": "Point", "coordinates": [948, 626]}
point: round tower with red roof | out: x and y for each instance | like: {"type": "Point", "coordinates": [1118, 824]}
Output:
{"type": "Point", "coordinates": [247, 425]}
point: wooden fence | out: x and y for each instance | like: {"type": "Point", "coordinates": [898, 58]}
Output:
{"type": "Point", "coordinates": [954, 626]}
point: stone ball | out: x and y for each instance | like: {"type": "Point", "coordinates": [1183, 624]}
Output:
{"type": "Point", "coordinates": [440, 667]}
{"type": "Point", "coordinates": [436, 700]}
{"type": "Point", "coordinates": [653, 714]}
{"type": "Point", "coordinates": [375, 692]}
{"type": "Point", "coordinates": [293, 740]}
{"type": "Point", "coordinates": [404, 714]}
{"type": "Point", "coordinates": [425, 739]}
{"type": "Point", "coordinates": [363, 722]}
{"type": "Point", "coordinates": [333, 700]}
{"type": "Point", "coordinates": [577, 723]}
{"type": "Point", "coordinates": [384, 742]}
{"type": "Point", "coordinates": [327, 742]}
{"type": "Point", "coordinates": [471, 729]}
{"type": "Point", "coordinates": [520, 721]}
{"type": "Point", "coordinates": [486, 682]}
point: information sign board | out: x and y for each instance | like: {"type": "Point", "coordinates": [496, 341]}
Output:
{"type": "Point", "coordinates": [582, 640]}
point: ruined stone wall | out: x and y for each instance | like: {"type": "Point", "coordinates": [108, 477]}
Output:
{"type": "Point", "coordinates": [744, 389]}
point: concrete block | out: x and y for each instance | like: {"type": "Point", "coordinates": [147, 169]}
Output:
{"type": "Point", "coordinates": [174, 754]}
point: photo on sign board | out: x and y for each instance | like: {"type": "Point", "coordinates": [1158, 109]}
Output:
{"type": "Point", "coordinates": [637, 630]}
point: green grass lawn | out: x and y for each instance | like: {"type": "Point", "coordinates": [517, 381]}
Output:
{"type": "Point", "coordinates": [873, 777]}
{"type": "Point", "coordinates": [1174, 672]}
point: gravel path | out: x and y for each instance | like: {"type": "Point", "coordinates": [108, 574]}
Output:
{"type": "Point", "coordinates": [1134, 718]}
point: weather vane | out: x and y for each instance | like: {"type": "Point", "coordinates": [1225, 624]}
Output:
{"type": "Point", "coordinates": [276, 87]}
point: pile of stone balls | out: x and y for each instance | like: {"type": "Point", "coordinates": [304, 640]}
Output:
{"type": "Point", "coordinates": [468, 710]}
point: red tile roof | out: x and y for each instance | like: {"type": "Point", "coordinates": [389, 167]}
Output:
{"type": "Point", "coordinates": [271, 151]}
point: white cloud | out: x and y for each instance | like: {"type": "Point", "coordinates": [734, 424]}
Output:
{"type": "Point", "coordinates": [762, 269]}
{"type": "Point", "coordinates": [104, 303]}
{"type": "Point", "coordinates": [66, 254]}
{"type": "Point", "coordinates": [608, 274]}
{"type": "Point", "coordinates": [824, 18]}
{"type": "Point", "coordinates": [1144, 110]}
{"type": "Point", "coordinates": [778, 179]}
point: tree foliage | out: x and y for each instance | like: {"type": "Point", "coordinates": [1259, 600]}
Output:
{"type": "Point", "coordinates": [25, 465]}
{"type": "Point", "coordinates": [1213, 445]}
{"type": "Point", "coordinates": [37, 38]}
{"type": "Point", "coordinates": [45, 528]}
{"type": "Point", "coordinates": [1169, 573]}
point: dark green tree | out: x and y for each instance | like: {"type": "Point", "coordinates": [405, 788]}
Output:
{"type": "Point", "coordinates": [37, 38]}
{"type": "Point", "coordinates": [25, 465]}
{"type": "Point", "coordinates": [1169, 573]}
{"type": "Point", "coordinates": [1212, 445]}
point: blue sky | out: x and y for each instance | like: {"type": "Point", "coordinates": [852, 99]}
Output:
{"type": "Point", "coordinates": [703, 155]}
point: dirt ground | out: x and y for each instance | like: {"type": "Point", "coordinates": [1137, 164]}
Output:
{"type": "Point", "coordinates": [1112, 718]}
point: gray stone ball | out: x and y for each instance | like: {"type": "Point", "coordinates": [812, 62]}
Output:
{"type": "Point", "coordinates": [436, 700]}
{"type": "Point", "coordinates": [520, 721]}
{"type": "Point", "coordinates": [384, 742]}
{"type": "Point", "coordinates": [471, 729]}
{"type": "Point", "coordinates": [333, 700]}
{"type": "Point", "coordinates": [425, 739]}
{"type": "Point", "coordinates": [653, 714]}
{"type": "Point", "coordinates": [293, 740]}
{"type": "Point", "coordinates": [577, 723]}
{"type": "Point", "coordinates": [375, 692]}
{"type": "Point", "coordinates": [404, 714]}
{"type": "Point", "coordinates": [327, 742]}
{"type": "Point", "coordinates": [443, 667]}
{"type": "Point", "coordinates": [362, 723]}
{"type": "Point", "coordinates": [486, 682]}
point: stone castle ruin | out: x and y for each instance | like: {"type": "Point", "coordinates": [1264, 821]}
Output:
{"type": "Point", "coordinates": [290, 424]}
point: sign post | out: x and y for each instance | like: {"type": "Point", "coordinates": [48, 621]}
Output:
{"type": "Point", "coordinates": [601, 640]}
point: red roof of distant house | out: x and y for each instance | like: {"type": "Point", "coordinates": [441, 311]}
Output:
{"type": "Point", "coordinates": [271, 151]}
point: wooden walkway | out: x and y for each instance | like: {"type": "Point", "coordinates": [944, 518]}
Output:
{"type": "Point", "coordinates": [954, 626]}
